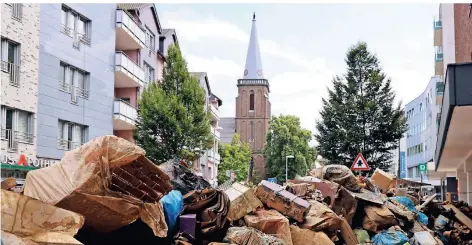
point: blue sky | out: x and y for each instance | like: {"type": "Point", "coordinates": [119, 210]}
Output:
{"type": "Point", "coordinates": [303, 46]}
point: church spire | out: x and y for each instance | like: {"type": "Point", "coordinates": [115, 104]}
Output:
{"type": "Point", "coordinates": [253, 69]}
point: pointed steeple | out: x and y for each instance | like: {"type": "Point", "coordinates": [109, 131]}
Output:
{"type": "Point", "coordinates": [253, 69]}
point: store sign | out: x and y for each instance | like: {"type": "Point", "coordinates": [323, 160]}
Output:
{"type": "Point", "coordinates": [22, 160]}
{"type": "Point", "coordinates": [402, 165]}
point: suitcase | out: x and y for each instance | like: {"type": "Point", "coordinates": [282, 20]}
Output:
{"type": "Point", "coordinates": [188, 224]}
{"type": "Point", "coordinates": [274, 196]}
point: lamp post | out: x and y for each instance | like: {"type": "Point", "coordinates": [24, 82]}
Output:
{"type": "Point", "coordinates": [286, 167]}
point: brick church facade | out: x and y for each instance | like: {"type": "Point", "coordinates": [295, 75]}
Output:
{"type": "Point", "coordinates": [253, 109]}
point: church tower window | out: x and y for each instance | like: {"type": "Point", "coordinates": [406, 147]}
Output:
{"type": "Point", "coordinates": [251, 100]}
{"type": "Point", "coordinates": [251, 137]}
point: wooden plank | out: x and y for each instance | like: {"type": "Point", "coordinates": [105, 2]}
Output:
{"type": "Point", "coordinates": [460, 216]}
{"type": "Point", "coordinates": [348, 235]}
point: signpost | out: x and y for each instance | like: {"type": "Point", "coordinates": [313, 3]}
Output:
{"type": "Point", "coordinates": [360, 164]}
{"type": "Point", "coordinates": [422, 170]}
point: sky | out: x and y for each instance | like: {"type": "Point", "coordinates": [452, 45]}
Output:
{"type": "Point", "coordinates": [302, 47]}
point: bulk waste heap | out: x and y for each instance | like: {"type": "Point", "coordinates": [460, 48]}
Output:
{"type": "Point", "coordinates": [108, 192]}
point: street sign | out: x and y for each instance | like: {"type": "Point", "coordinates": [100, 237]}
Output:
{"type": "Point", "coordinates": [360, 164]}
{"type": "Point", "coordinates": [422, 168]}
{"type": "Point", "coordinates": [402, 165]}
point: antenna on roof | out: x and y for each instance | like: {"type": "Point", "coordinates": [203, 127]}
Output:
{"type": "Point", "coordinates": [254, 16]}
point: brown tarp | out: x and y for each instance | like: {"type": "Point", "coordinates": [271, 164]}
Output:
{"type": "Point", "coordinates": [308, 237]}
{"type": "Point", "coordinates": [378, 218]}
{"type": "Point", "coordinates": [270, 222]}
{"type": "Point", "coordinates": [339, 174]}
{"type": "Point", "coordinates": [28, 220]}
{"type": "Point", "coordinates": [109, 181]}
{"type": "Point", "coordinates": [321, 218]}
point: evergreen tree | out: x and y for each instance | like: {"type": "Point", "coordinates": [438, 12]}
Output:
{"type": "Point", "coordinates": [234, 156]}
{"type": "Point", "coordinates": [359, 114]}
{"type": "Point", "coordinates": [172, 122]}
{"type": "Point", "coordinates": [287, 137]}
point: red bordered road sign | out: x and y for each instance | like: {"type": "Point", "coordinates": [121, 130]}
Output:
{"type": "Point", "coordinates": [360, 164]}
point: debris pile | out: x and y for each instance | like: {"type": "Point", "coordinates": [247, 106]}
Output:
{"type": "Point", "coordinates": [108, 192]}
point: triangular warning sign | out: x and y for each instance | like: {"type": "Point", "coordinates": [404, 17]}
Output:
{"type": "Point", "coordinates": [360, 164]}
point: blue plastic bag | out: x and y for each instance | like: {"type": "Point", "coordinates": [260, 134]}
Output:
{"type": "Point", "coordinates": [390, 237]}
{"type": "Point", "coordinates": [408, 203]}
{"type": "Point", "coordinates": [173, 204]}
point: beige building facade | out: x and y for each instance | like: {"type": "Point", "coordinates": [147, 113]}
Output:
{"type": "Point", "coordinates": [19, 84]}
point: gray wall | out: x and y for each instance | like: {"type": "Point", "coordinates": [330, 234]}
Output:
{"type": "Point", "coordinates": [97, 59]}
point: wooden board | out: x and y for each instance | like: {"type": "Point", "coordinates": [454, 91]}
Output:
{"type": "Point", "coordinates": [348, 235]}
{"type": "Point", "coordinates": [460, 216]}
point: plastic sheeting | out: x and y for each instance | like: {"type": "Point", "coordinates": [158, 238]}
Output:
{"type": "Point", "coordinates": [391, 236]}
{"type": "Point", "coordinates": [173, 204]}
{"type": "Point", "coordinates": [109, 181]}
{"type": "Point", "coordinates": [408, 203]}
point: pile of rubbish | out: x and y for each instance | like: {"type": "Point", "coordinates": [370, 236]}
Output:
{"type": "Point", "coordinates": [108, 192]}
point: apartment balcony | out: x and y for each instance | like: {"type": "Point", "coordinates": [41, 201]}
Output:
{"type": "Point", "coordinates": [214, 112]}
{"type": "Point", "coordinates": [215, 132]}
{"type": "Point", "coordinates": [128, 74]}
{"type": "Point", "coordinates": [129, 34]}
{"type": "Point", "coordinates": [124, 115]}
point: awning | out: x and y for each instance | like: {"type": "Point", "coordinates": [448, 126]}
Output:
{"type": "Point", "coordinates": [17, 167]}
{"type": "Point", "coordinates": [454, 143]}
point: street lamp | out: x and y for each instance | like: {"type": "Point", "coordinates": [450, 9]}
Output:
{"type": "Point", "coordinates": [286, 167]}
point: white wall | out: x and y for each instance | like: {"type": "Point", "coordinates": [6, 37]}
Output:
{"type": "Point", "coordinates": [447, 17]}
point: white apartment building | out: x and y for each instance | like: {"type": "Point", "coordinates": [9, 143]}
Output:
{"type": "Point", "coordinates": [19, 88]}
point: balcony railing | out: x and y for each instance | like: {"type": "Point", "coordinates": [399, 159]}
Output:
{"type": "Point", "coordinates": [125, 64]}
{"type": "Point", "coordinates": [68, 88]}
{"type": "Point", "coordinates": [13, 70]}
{"type": "Point", "coordinates": [214, 111]}
{"type": "Point", "coordinates": [125, 21]}
{"type": "Point", "coordinates": [14, 137]}
{"type": "Point", "coordinates": [215, 132]}
{"type": "Point", "coordinates": [67, 145]}
{"type": "Point", "coordinates": [124, 109]}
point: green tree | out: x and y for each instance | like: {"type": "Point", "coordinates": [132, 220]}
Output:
{"type": "Point", "coordinates": [172, 121]}
{"type": "Point", "coordinates": [287, 137]}
{"type": "Point", "coordinates": [234, 156]}
{"type": "Point", "coordinates": [359, 114]}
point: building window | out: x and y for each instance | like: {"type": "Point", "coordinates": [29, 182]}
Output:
{"type": "Point", "coordinates": [74, 81]}
{"type": "Point", "coordinates": [71, 135]}
{"type": "Point", "coordinates": [17, 126]}
{"type": "Point", "coordinates": [76, 26]}
{"type": "Point", "coordinates": [11, 60]}
{"type": "Point", "coordinates": [150, 40]}
{"type": "Point", "coordinates": [251, 100]}
{"type": "Point", "coordinates": [149, 73]}
{"type": "Point", "coordinates": [17, 11]}
{"type": "Point", "coordinates": [251, 136]}
{"type": "Point", "coordinates": [410, 172]}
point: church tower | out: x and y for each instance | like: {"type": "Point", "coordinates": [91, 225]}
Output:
{"type": "Point", "coordinates": [253, 105]}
